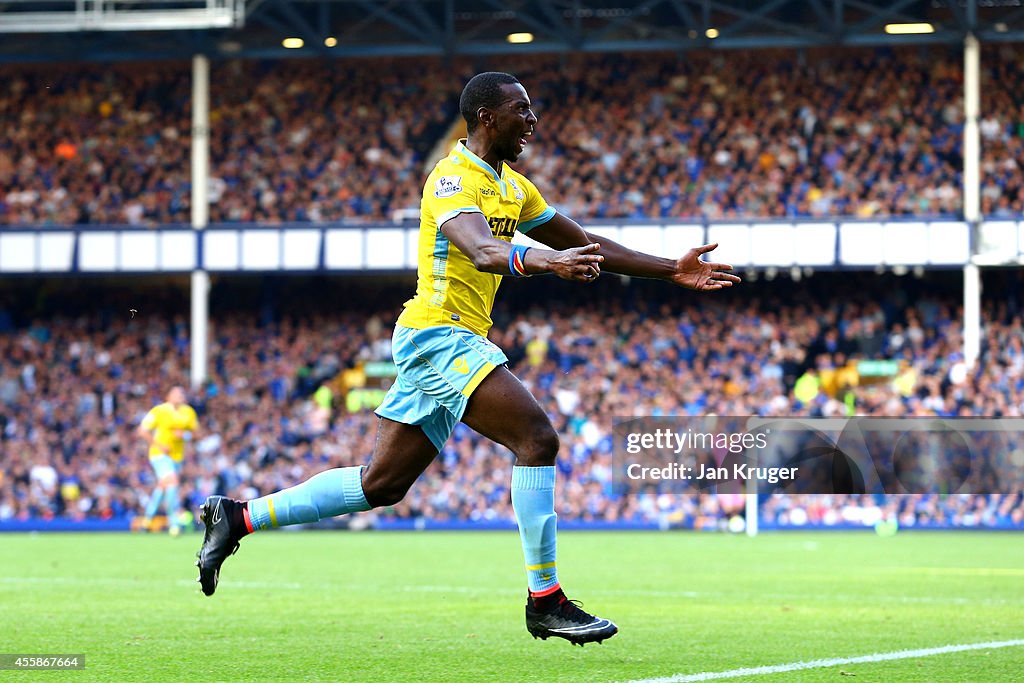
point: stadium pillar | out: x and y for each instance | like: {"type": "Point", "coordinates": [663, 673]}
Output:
{"type": "Point", "coordinates": [972, 314]}
{"type": "Point", "coordinates": [972, 196]}
{"type": "Point", "coordinates": [972, 139]}
{"type": "Point", "coordinates": [200, 213]}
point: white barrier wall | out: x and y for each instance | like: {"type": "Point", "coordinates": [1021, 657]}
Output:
{"type": "Point", "coordinates": [305, 248]}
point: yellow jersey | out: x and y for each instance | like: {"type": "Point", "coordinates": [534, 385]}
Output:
{"type": "Point", "coordinates": [169, 425]}
{"type": "Point", "coordinates": [449, 289]}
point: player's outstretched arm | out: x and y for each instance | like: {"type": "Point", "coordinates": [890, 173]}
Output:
{"type": "Point", "coordinates": [561, 232]}
{"type": "Point", "coordinates": [471, 234]}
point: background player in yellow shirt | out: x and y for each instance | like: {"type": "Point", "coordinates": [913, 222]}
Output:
{"type": "Point", "coordinates": [166, 428]}
{"type": "Point", "coordinates": [448, 371]}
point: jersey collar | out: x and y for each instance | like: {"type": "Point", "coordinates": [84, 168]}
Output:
{"type": "Point", "coordinates": [480, 163]}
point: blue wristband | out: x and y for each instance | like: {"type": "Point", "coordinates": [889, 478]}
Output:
{"type": "Point", "coordinates": [517, 260]}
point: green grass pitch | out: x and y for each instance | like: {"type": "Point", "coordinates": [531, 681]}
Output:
{"type": "Point", "coordinates": [338, 606]}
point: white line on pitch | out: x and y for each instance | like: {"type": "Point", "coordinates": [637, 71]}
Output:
{"type": "Point", "coordinates": [475, 590]}
{"type": "Point", "coordinates": [712, 595]}
{"type": "Point", "coordinates": [140, 582]}
{"type": "Point", "coordinates": [826, 663]}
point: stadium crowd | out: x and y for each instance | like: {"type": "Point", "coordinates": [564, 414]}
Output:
{"type": "Point", "coordinates": [865, 133]}
{"type": "Point", "coordinates": [73, 389]}
{"type": "Point", "coordinates": [289, 141]}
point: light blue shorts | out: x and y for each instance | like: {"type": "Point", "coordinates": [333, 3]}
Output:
{"type": "Point", "coordinates": [164, 465]}
{"type": "Point", "coordinates": [438, 370]}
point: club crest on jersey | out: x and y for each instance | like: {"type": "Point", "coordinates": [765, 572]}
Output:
{"type": "Point", "coordinates": [519, 193]}
{"type": "Point", "coordinates": [448, 186]}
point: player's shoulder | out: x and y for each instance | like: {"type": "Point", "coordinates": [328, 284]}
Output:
{"type": "Point", "coordinates": [454, 162]}
{"type": "Point", "coordinates": [518, 175]}
{"type": "Point", "coordinates": [458, 163]}
{"type": "Point", "coordinates": [520, 178]}
{"type": "Point", "coordinates": [524, 189]}
{"type": "Point", "coordinates": [451, 176]}
{"type": "Point", "coordinates": [157, 412]}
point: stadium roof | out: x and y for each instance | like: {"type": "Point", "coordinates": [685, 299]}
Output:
{"type": "Point", "coordinates": [157, 29]}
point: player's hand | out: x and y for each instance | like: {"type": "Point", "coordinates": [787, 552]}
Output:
{"type": "Point", "coordinates": [702, 276]}
{"type": "Point", "coordinates": [580, 264]}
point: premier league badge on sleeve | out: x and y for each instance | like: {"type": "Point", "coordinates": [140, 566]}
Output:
{"type": "Point", "coordinates": [448, 186]}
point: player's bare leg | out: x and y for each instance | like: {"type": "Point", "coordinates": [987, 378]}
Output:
{"type": "Point", "coordinates": [153, 506]}
{"type": "Point", "coordinates": [170, 486]}
{"type": "Point", "coordinates": [167, 490]}
{"type": "Point", "coordinates": [503, 410]}
{"type": "Point", "coordinates": [400, 455]}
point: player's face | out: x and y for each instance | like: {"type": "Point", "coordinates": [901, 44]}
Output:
{"type": "Point", "coordinates": [176, 396]}
{"type": "Point", "coordinates": [514, 122]}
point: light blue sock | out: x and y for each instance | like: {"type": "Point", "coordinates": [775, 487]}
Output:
{"type": "Point", "coordinates": [328, 494]}
{"type": "Point", "coordinates": [154, 502]}
{"type": "Point", "coordinates": [533, 499]}
{"type": "Point", "coordinates": [172, 505]}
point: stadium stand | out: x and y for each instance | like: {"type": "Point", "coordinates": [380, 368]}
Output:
{"type": "Point", "coordinates": [865, 133]}
{"type": "Point", "coordinates": [73, 387]}
{"type": "Point", "coordinates": [109, 145]}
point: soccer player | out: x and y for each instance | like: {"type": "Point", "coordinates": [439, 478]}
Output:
{"type": "Point", "coordinates": [166, 428]}
{"type": "Point", "coordinates": [473, 202]}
